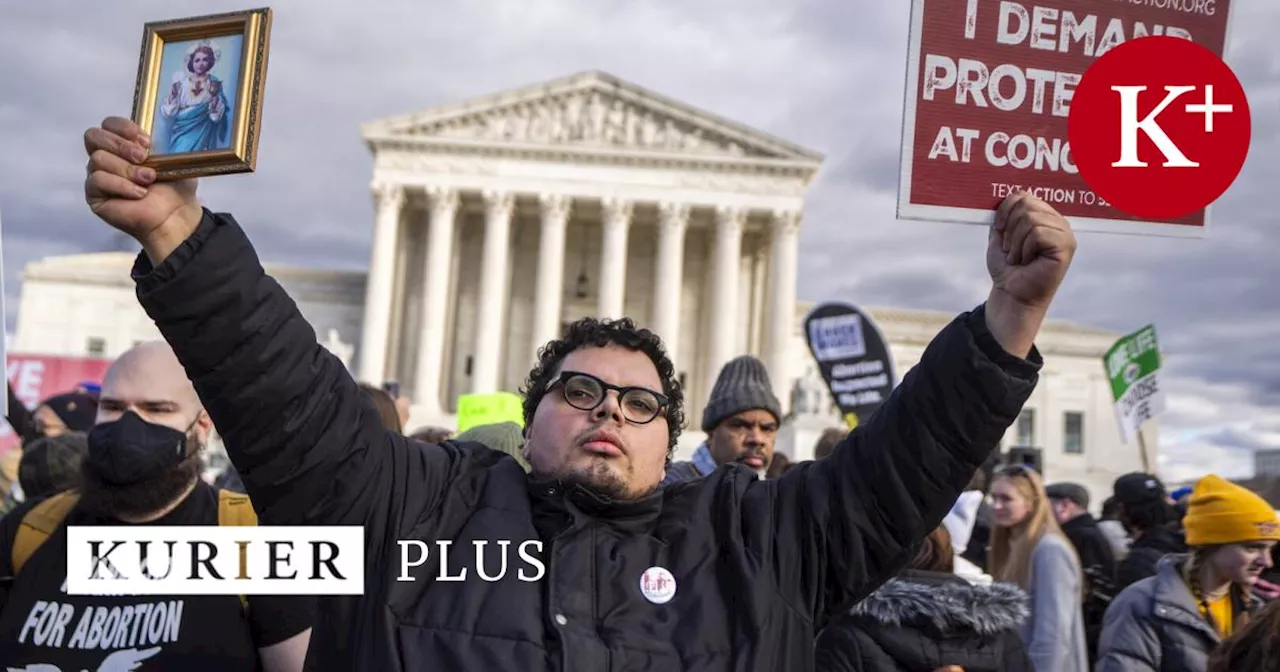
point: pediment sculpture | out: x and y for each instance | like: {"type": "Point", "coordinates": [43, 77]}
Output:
{"type": "Point", "coordinates": [340, 349]}
{"type": "Point", "coordinates": [586, 117]}
{"type": "Point", "coordinates": [807, 394]}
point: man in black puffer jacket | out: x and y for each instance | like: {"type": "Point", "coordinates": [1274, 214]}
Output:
{"type": "Point", "coordinates": [606, 571]}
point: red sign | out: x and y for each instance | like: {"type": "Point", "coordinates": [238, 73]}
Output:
{"type": "Point", "coordinates": [989, 91]}
{"type": "Point", "coordinates": [36, 377]}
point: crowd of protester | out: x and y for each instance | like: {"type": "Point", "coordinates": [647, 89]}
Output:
{"type": "Point", "coordinates": [1185, 584]}
{"type": "Point", "coordinates": [894, 549]}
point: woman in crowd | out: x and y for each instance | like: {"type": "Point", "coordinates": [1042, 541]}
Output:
{"type": "Point", "coordinates": [928, 618]}
{"type": "Point", "coordinates": [1029, 549]}
{"type": "Point", "coordinates": [1172, 621]}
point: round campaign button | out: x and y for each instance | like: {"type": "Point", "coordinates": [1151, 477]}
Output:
{"type": "Point", "coordinates": [658, 585]}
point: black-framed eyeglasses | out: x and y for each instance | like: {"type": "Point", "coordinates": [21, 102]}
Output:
{"type": "Point", "coordinates": [585, 392]}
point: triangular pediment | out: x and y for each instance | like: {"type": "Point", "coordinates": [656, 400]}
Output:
{"type": "Point", "coordinates": [592, 110]}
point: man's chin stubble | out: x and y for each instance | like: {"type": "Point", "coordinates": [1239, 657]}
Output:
{"type": "Point", "coordinates": [599, 477]}
{"type": "Point", "coordinates": [138, 499]}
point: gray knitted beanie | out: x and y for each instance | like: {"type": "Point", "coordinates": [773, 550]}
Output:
{"type": "Point", "coordinates": [743, 385]}
{"type": "Point", "coordinates": [507, 437]}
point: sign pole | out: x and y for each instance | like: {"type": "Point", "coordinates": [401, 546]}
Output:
{"type": "Point", "coordinates": [1146, 457]}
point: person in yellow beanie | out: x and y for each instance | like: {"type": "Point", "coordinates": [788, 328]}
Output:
{"type": "Point", "coordinates": [1175, 619]}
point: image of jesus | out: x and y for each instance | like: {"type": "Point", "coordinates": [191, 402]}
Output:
{"type": "Point", "coordinates": [195, 106]}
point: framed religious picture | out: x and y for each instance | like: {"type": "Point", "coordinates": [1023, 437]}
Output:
{"type": "Point", "coordinates": [199, 93]}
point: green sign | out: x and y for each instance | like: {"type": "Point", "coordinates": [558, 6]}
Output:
{"type": "Point", "coordinates": [1132, 366]}
{"type": "Point", "coordinates": [488, 409]}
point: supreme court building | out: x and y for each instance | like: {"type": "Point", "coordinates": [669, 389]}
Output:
{"type": "Point", "coordinates": [501, 220]}
{"type": "Point", "coordinates": [498, 221]}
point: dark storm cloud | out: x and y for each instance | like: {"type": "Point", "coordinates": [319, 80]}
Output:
{"type": "Point", "coordinates": [1233, 438]}
{"type": "Point", "coordinates": [927, 288]}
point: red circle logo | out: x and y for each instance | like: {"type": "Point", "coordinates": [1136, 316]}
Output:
{"type": "Point", "coordinates": [1159, 127]}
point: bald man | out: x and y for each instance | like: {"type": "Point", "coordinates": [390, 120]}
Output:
{"type": "Point", "coordinates": [143, 467]}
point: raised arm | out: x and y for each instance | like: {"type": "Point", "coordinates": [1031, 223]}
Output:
{"type": "Point", "coordinates": [306, 440]}
{"type": "Point", "coordinates": [844, 525]}
{"type": "Point", "coordinates": [19, 418]}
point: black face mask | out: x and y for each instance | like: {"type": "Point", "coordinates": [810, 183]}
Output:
{"type": "Point", "coordinates": [131, 450]}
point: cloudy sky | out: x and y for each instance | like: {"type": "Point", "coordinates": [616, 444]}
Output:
{"type": "Point", "coordinates": [827, 74]}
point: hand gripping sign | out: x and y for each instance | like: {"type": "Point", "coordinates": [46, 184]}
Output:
{"type": "Point", "coordinates": [992, 86]}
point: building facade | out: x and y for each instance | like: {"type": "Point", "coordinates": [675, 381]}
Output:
{"type": "Point", "coordinates": [85, 305]}
{"type": "Point", "coordinates": [499, 221]}
{"type": "Point", "coordinates": [1266, 463]}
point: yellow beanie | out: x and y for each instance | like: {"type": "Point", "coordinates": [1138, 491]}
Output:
{"type": "Point", "coordinates": [1221, 512]}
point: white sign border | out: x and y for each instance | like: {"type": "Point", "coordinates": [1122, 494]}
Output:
{"type": "Point", "coordinates": [937, 213]}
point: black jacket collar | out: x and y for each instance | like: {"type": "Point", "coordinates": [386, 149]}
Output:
{"type": "Point", "coordinates": [574, 503]}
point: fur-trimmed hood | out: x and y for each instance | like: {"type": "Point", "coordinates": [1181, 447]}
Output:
{"type": "Point", "coordinates": [950, 607]}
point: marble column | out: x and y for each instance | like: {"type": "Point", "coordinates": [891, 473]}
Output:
{"type": "Point", "coordinates": [784, 248]}
{"type": "Point", "coordinates": [668, 283]}
{"type": "Point", "coordinates": [613, 259]}
{"type": "Point", "coordinates": [493, 292]}
{"type": "Point", "coordinates": [727, 265]}
{"type": "Point", "coordinates": [380, 281]}
{"type": "Point", "coordinates": [550, 284]}
{"type": "Point", "coordinates": [435, 297]}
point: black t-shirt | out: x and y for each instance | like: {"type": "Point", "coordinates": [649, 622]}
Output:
{"type": "Point", "coordinates": [41, 624]}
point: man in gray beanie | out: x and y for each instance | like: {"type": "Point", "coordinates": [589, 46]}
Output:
{"type": "Point", "coordinates": [741, 421]}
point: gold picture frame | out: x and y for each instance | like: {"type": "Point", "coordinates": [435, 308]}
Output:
{"type": "Point", "coordinates": [199, 93]}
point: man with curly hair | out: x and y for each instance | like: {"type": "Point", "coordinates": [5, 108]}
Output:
{"type": "Point", "coordinates": [726, 572]}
